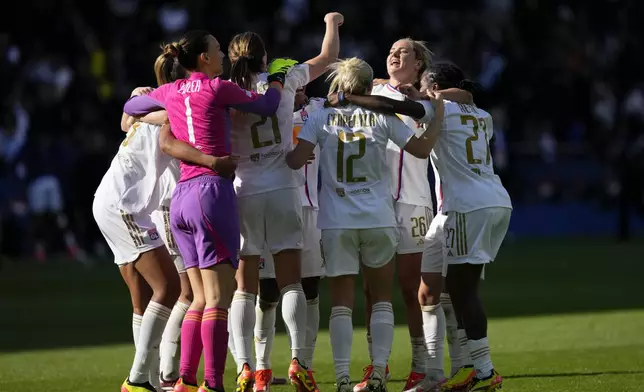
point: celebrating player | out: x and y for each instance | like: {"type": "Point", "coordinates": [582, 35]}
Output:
{"type": "Point", "coordinates": [203, 209]}
{"type": "Point", "coordinates": [475, 214]}
{"type": "Point", "coordinates": [269, 204]}
{"type": "Point", "coordinates": [357, 215]}
{"type": "Point", "coordinates": [312, 264]}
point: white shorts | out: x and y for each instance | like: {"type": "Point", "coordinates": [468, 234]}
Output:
{"type": "Point", "coordinates": [44, 195]}
{"type": "Point", "coordinates": [271, 220]}
{"type": "Point", "coordinates": [434, 252]}
{"type": "Point", "coordinates": [126, 234]}
{"type": "Point", "coordinates": [312, 264]}
{"type": "Point", "coordinates": [342, 249]}
{"type": "Point", "coordinates": [413, 222]}
{"type": "Point", "coordinates": [475, 237]}
{"type": "Point", "coordinates": [161, 219]}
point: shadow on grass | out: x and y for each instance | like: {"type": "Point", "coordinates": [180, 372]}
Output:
{"type": "Point", "coordinates": [63, 304]}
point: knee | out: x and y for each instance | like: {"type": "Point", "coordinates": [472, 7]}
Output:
{"type": "Point", "coordinates": [409, 286]}
{"type": "Point", "coordinates": [311, 287]}
{"type": "Point", "coordinates": [268, 291]}
{"type": "Point", "coordinates": [186, 295]}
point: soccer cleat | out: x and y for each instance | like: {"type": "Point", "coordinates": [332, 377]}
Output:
{"type": "Point", "coordinates": [376, 382]}
{"type": "Point", "coordinates": [205, 388]}
{"type": "Point", "coordinates": [182, 386]}
{"type": "Point", "coordinates": [315, 385]}
{"type": "Point", "coordinates": [427, 384]}
{"type": "Point", "coordinates": [299, 376]}
{"type": "Point", "coordinates": [263, 380]}
{"type": "Point", "coordinates": [137, 387]}
{"type": "Point", "coordinates": [245, 379]}
{"type": "Point", "coordinates": [343, 385]}
{"type": "Point", "coordinates": [460, 380]}
{"type": "Point", "coordinates": [492, 383]}
{"type": "Point", "coordinates": [166, 385]}
{"type": "Point", "coordinates": [413, 379]}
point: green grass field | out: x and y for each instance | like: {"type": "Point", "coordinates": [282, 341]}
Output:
{"type": "Point", "coordinates": [564, 316]}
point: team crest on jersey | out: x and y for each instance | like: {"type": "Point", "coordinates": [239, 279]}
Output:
{"type": "Point", "coordinates": [304, 114]}
{"type": "Point", "coordinates": [262, 263]}
{"type": "Point", "coordinates": [153, 234]}
{"type": "Point", "coordinates": [254, 157]}
{"type": "Point", "coordinates": [340, 192]}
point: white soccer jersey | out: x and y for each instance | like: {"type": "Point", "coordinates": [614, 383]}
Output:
{"type": "Point", "coordinates": [410, 184]}
{"type": "Point", "coordinates": [465, 179]}
{"type": "Point", "coordinates": [308, 192]}
{"type": "Point", "coordinates": [133, 177]}
{"type": "Point", "coordinates": [356, 184]}
{"type": "Point", "coordinates": [262, 142]}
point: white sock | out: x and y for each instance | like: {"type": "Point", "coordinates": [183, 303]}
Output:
{"type": "Point", "coordinates": [136, 327]}
{"type": "Point", "coordinates": [341, 335]}
{"type": "Point", "coordinates": [264, 333]}
{"type": "Point", "coordinates": [231, 341]}
{"type": "Point", "coordinates": [451, 332]}
{"type": "Point", "coordinates": [434, 328]}
{"type": "Point", "coordinates": [481, 357]}
{"type": "Point", "coordinates": [242, 314]}
{"type": "Point", "coordinates": [369, 346]}
{"type": "Point", "coordinates": [169, 349]}
{"type": "Point", "coordinates": [294, 315]}
{"type": "Point", "coordinates": [155, 366]}
{"type": "Point", "coordinates": [153, 322]}
{"type": "Point", "coordinates": [462, 339]}
{"type": "Point", "coordinates": [382, 334]}
{"type": "Point", "coordinates": [312, 328]}
{"type": "Point", "coordinates": [419, 355]}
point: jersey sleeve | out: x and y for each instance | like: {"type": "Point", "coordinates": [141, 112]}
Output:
{"type": "Point", "coordinates": [298, 76]}
{"type": "Point", "coordinates": [228, 94]}
{"type": "Point", "coordinates": [141, 105]}
{"type": "Point", "coordinates": [397, 131]}
{"type": "Point", "coordinates": [429, 111]}
{"type": "Point", "coordinates": [312, 131]}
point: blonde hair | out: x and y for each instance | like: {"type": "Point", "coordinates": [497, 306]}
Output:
{"type": "Point", "coordinates": [422, 53]}
{"type": "Point", "coordinates": [246, 52]}
{"type": "Point", "coordinates": [353, 76]}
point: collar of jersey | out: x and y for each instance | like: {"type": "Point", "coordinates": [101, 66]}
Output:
{"type": "Point", "coordinates": [392, 88]}
{"type": "Point", "coordinates": [198, 75]}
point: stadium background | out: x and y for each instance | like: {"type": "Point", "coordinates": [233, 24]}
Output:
{"type": "Point", "coordinates": [562, 80]}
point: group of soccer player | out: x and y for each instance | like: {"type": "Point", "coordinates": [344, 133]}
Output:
{"type": "Point", "coordinates": [208, 247]}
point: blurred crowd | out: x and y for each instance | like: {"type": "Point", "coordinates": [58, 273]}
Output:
{"type": "Point", "coordinates": [561, 78]}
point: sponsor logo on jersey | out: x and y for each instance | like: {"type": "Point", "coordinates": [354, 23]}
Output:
{"type": "Point", "coordinates": [254, 157]}
{"type": "Point", "coordinates": [340, 192]}
{"type": "Point", "coordinates": [153, 234]}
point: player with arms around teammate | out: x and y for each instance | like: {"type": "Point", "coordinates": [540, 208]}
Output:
{"type": "Point", "coordinates": [269, 202]}
{"type": "Point", "coordinates": [203, 209]}
{"type": "Point", "coordinates": [312, 264]}
{"type": "Point", "coordinates": [357, 216]}
{"type": "Point", "coordinates": [475, 215]}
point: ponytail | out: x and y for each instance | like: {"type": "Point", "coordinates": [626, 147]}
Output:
{"type": "Point", "coordinates": [166, 67]}
{"type": "Point", "coordinates": [246, 52]}
{"type": "Point", "coordinates": [242, 70]}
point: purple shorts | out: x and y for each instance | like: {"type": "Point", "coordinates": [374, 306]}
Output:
{"type": "Point", "coordinates": [204, 221]}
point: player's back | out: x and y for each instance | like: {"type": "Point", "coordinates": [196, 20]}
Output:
{"type": "Point", "coordinates": [463, 161]}
{"type": "Point", "coordinates": [131, 182]}
{"type": "Point", "coordinates": [263, 141]}
{"type": "Point", "coordinates": [409, 174]}
{"type": "Point", "coordinates": [355, 178]}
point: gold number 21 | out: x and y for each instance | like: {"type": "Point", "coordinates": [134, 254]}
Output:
{"type": "Point", "coordinates": [474, 122]}
{"type": "Point", "coordinates": [254, 132]}
{"type": "Point", "coordinates": [345, 138]}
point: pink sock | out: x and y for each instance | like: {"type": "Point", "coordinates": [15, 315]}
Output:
{"type": "Point", "coordinates": [191, 346]}
{"type": "Point", "coordinates": [214, 334]}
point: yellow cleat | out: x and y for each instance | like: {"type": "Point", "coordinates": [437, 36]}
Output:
{"type": "Point", "coordinates": [460, 380]}
{"type": "Point", "coordinates": [182, 386]}
{"type": "Point", "coordinates": [245, 379]}
{"type": "Point", "coordinates": [137, 387]}
{"type": "Point", "coordinates": [489, 384]}
{"type": "Point", "coordinates": [300, 377]}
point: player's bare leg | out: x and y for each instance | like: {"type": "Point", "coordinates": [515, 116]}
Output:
{"type": "Point", "coordinates": [288, 271]}
{"type": "Point", "coordinates": [242, 313]}
{"type": "Point", "coordinates": [380, 285]}
{"type": "Point", "coordinates": [463, 284]}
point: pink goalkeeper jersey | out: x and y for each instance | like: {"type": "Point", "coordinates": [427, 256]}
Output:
{"type": "Point", "coordinates": [198, 112]}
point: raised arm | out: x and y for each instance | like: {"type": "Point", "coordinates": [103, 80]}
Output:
{"type": "Point", "coordinates": [224, 166]}
{"type": "Point", "coordinates": [330, 46]}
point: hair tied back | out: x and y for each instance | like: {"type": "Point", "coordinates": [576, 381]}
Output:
{"type": "Point", "coordinates": [171, 50]}
{"type": "Point", "coordinates": [469, 85]}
